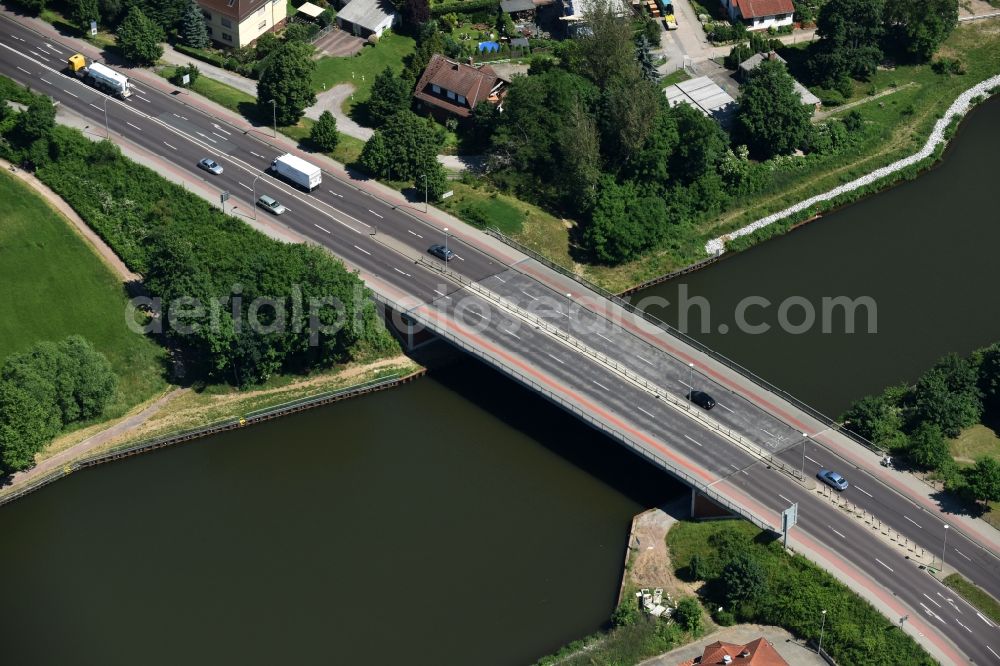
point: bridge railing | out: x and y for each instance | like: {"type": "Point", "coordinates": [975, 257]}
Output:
{"type": "Point", "coordinates": [653, 388]}
{"type": "Point", "coordinates": [685, 338]}
{"type": "Point", "coordinates": [575, 409]}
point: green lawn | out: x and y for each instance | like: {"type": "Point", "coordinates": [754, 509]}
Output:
{"type": "Point", "coordinates": [674, 78]}
{"type": "Point", "coordinates": [979, 440]}
{"type": "Point", "coordinates": [975, 596]}
{"type": "Point", "coordinates": [362, 68]}
{"type": "Point", "coordinates": [487, 209]}
{"type": "Point", "coordinates": [57, 286]}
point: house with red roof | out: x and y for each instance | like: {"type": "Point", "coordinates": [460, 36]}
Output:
{"type": "Point", "coordinates": [755, 653]}
{"type": "Point", "coordinates": [448, 88]}
{"type": "Point", "coordinates": [760, 14]}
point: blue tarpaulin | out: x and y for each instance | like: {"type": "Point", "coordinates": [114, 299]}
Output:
{"type": "Point", "coordinates": [488, 47]}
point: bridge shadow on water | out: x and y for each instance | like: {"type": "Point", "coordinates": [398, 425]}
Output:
{"type": "Point", "coordinates": [558, 431]}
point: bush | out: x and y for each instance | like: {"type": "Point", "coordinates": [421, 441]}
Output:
{"type": "Point", "coordinates": [178, 77]}
{"type": "Point", "coordinates": [948, 66]}
{"type": "Point", "coordinates": [689, 615]}
{"type": "Point", "coordinates": [627, 613]}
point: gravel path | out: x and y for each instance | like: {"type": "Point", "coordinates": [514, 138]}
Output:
{"type": "Point", "coordinates": [86, 446]}
{"type": "Point", "coordinates": [959, 107]}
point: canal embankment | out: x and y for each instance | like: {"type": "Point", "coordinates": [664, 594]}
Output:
{"type": "Point", "coordinates": [169, 419]}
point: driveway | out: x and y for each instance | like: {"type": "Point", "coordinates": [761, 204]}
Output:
{"type": "Point", "coordinates": [332, 100]}
{"type": "Point", "coordinates": [338, 43]}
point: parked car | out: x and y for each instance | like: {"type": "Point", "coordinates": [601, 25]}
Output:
{"type": "Point", "coordinates": [441, 252]}
{"type": "Point", "coordinates": [210, 166]}
{"type": "Point", "coordinates": [702, 399]}
{"type": "Point", "coordinates": [832, 479]}
{"type": "Point", "coordinates": [270, 205]}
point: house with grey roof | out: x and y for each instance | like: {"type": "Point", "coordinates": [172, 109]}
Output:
{"type": "Point", "coordinates": [365, 18]}
{"type": "Point", "coordinates": [753, 61]}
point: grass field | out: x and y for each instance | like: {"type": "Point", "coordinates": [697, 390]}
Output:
{"type": "Point", "coordinates": [979, 440]}
{"type": "Point", "coordinates": [488, 209]}
{"type": "Point", "coordinates": [362, 68]}
{"type": "Point", "coordinates": [975, 596]}
{"type": "Point", "coordinates": [52, 285]}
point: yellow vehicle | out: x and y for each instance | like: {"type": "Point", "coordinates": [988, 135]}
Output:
{"type": "Point", "coordinates": [100, 76]}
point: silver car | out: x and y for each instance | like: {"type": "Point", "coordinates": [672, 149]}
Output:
{"type": "Point", "coordinates": [210, 166]}
{"type": "Point", "coordinates": [270, 205]}
{"type": "Point", "coordinates": [832, 479]}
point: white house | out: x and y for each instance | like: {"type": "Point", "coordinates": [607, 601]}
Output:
{"type": "Point", "coordinates": [239, 22]}
{"type": "Point", "coordinates": [760, 14]}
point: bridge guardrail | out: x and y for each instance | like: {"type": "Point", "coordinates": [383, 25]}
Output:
{"type": "Point", "coordinates": [574, 409]}
{"type": "Point", "coordinates": [686, 339]}
{"type": "Point", "coordinates": [630, 375]}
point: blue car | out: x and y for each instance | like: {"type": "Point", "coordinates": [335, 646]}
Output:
{"type": "Point", "coordinates": [832, 479]}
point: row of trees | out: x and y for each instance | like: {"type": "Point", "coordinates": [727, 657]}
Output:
{"type": "Point", "coordinates": [189, 253]}
{"type": "Point", "coordinates": [46, 388]}
{"type": "Point", "coordinates": [915, 421]}
{"type": "Point", "coordinates": [856, 35]}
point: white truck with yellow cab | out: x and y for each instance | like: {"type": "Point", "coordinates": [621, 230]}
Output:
{"type": "Point", "coordinates": [100, 76]}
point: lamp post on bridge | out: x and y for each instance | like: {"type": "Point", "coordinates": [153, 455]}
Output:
{"type": "Point", "coordinates": [822, 626]}
{"type": "Point", "coordinates": [690, 383]}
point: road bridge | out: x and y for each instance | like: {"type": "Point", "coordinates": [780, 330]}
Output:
{"type": "Point", "coordinates": [618, 370]}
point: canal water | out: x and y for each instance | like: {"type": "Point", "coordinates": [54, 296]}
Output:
{"type": "Point", "coordinates": [925, 252]}
{"type": "Point", "coordinates": [457, 519]}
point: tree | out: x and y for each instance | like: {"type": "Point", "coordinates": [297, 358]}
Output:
{"type": "Point", "coordinates": [82, 12]}
{"type": "Point", "coordinates": [689, 614]}
{"type": "Point", "coordinates": [45, 388]}
{"type": "Point", "coordinates": [34, 5]}
{"type": "Point", "coordinates": [624, 224]}
{"type": "Point", "coordinates": [36, 121]}
{"type": "Point", "coordinates": [850, 34]}
{"type": "Point", "coordinates": [390, 94]}
{"type": "Point", "coordinates": [879, 419]}
{"type": "Point", "coordinates": [928, 447]}
{"type": "Point", "coordinates": [645, 59]}
{"type": "Point", "coordinates": [948, 395]}
{"type": "Point", "coordinates": [989, 375]}
{"type": "Point", "coordinates": [608, 51]}
{"type": "Point", "coordinates": [771, 119]}
{"type": "Point", "coordinates": [405, 147]}
{"type": "Point", "coordinates": [627, 614]}
{"type": "Point", "coordinates": [415, 13]}
{"type": "Point", "coordinates": [324, 133]}
{"type": "Point", "coordinates": [193, 31]}
{"type": "Point", "coordinates": [745, 579]}
{"type": "Point", "coordinates": [983, 480]}
{"type": "Point", "coordinates": [287, 79]}
{"type": "Point", "coordinates": [918, 28]}
{"type": "Point", "coordinates": [139, 38]}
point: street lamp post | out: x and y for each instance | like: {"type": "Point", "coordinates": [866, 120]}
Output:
{"type": "Point", "coordinates": [274, 117]}
{"type": "Point", "coordinates": [446, 242]}
{"type": "Point", "coordinates": [822, 626]}
{"type": "Point", "coordinates": [944, 547]}
{"type": "Point", "coordinates": [253, 204]}
{"type": "Point", "coordinates": [690, 383]}
{"type": "Point", "coordinates": [802, 469]}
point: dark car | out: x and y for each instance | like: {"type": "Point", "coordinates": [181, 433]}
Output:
{"type": "Point", "coordinates": [832, 479]}
{"type": "Point", "coordinates": [441, 252]}
{"type": "Point", "coordinates": [702, 399]}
